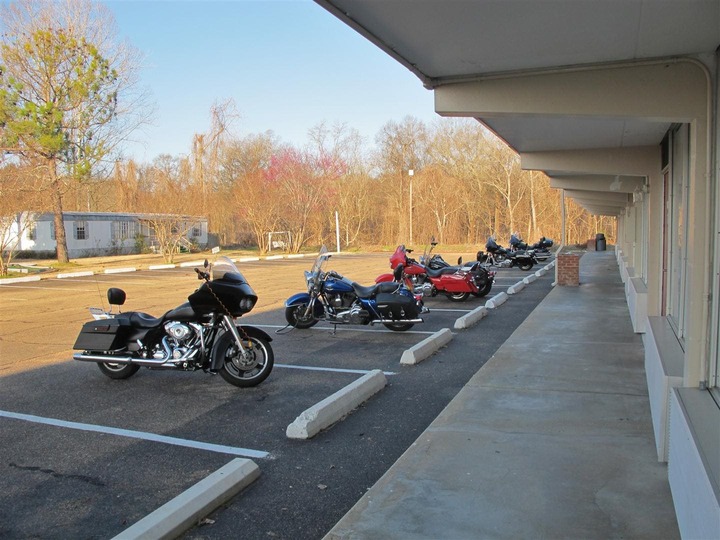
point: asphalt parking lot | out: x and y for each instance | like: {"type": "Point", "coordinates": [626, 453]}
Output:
{"type": "Point", "coordinates": [62, 479]}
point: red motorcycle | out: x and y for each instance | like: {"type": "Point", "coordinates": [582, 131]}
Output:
{"type": "Point", "coordinates": [456, 282]}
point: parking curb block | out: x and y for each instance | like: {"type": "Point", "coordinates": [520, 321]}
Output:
{"type": "Point", "coordinates": [192, 263]}
{"type": "Point", "coordinates": [334, 407]}
{"type": "Point", "coordinates": [19, 279]}
{"type": "Point", "coordinates": [74, 274]}
{"type": "Point", "coordinates": [496, 300]}
{"type": "Point", "coordinates": [419, 352]}
{"type": "Point", "coordinates": [184, 511]}
{"type": "Point", "coordinates": [514, 289]}
{"type": "Point", "coordinates": [469, 319]}
{"type": "Point", "coordinates": [528, 280]}
{"type": "Point", "coordinates": [160, 266]}
{"type": "Point", "coordinates": [119, 270]}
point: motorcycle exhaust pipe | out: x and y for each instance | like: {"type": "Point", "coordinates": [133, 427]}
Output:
{"type": "Point", "coordinates": [383, 321]}
{"type": "Point", "coordinates": [121, 360]}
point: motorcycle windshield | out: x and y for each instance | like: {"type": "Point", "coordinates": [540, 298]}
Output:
{"type": "Point", "coordinates": [317, 267]}
{"type": "Point", "coordinates": [224, 268]}
{"type": "Point", "coordinates": [398, 257]}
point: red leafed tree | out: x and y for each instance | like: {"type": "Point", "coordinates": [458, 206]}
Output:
{"type": "Point", "coordinates": [304, 182]}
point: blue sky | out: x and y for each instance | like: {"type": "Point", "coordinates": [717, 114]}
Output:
{"type": "Point", "coordinates": [287, 64]}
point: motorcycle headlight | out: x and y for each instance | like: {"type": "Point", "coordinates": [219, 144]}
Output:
{"type": "Point", "coordinates": [247, 303]}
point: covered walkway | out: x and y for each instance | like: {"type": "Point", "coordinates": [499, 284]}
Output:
{"type": "Point", "coordinates": [552, 438]}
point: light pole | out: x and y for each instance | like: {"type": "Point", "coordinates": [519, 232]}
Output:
{"type": "Point", "coordinates": [411, 172]}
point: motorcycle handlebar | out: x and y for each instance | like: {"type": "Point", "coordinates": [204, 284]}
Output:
{"type": "Point", "coordinates": [202, 275]}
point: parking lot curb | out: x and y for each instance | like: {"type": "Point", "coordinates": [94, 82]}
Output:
{"type": "Point", "coordinates": [496, 300]}
{"type": "Point", "coordinates": [119, 270]}
{"type": "Point", "coordinates": [178, 515]}
{"type": "Point", "coordinates": [160, 266]}
{"type": "Point", "coordinates": [469, 319]}
{"type": "Point", "coordinates": [333, 408]}
{"type": "Point", "coordinates": [419, 352]}
{"type": "Point", "coordinates": [75, 274]}
{"type": "Point", "coordinates": [529, 279]}
{"type": "Point", "coordinates": [192, 263]}
{"type": "Point", "coordinates": [514, 289]}
{"type": "Point", "coordinates": [19, 279]}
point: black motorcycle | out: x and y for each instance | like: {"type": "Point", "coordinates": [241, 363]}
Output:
{"type": "Point", "coordinates": [541, 248]}
{"type": "Point", "coordinates": [496, 255]}
{"type": "Point", "coordinates": [199, 334]}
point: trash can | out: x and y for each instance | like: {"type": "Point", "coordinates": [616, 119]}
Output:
{"type": "Point", "coordinates": [600, 243]}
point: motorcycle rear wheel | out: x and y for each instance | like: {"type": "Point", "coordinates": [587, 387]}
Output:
{"type": "Point", "coordinates": [485, 290]}
{"type": "Point", "coordinates": [458, 296]}
{"type": "Point", "coordinates": [295, 316]}
{"type": "Point", "coordinates": [525, 266]}
{"type": "Point", "coordinates": [249, 369]}
{"type": "Point", "coordinates": [399, 327]}
{"type": "Point", "coordinates": [115, 370]}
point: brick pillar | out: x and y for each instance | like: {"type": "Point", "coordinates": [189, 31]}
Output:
{"type": "Point", "coordinates": [568, 269]}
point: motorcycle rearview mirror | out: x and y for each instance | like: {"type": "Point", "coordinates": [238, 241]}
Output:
{"type": "Point", "coordinates": [206, 263]}
{"type": "Point", "coordinates": [459, 261]}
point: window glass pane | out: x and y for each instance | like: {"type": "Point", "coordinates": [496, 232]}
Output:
{"type": "Point", "coordinates": [678, 228]}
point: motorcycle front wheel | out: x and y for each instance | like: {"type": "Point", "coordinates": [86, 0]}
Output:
{"type": "Point", "coordinates": [458, 296]}
{"type": "Point", "coordinates": [245, 368]}
{"type": "Point", "coordinates": [116, 370]}
{"type": "Point", "coordinates": [295, 316]}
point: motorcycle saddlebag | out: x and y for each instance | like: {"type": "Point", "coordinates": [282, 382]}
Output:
{"type": "Point", "coordinates": [396, 306]}
{"type": "Point", "coordinates": [103, 335]}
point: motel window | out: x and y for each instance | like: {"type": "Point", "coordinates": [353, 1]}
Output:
{"type": "Point", "coordinates": [676, 241]}
{"type": "Point", "coordinates": [195, 233]}
{"type": "Point", "coordinates": [32, 232]}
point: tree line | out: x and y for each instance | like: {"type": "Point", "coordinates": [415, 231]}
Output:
{"type": "Point", "coordinates": [61, 133]}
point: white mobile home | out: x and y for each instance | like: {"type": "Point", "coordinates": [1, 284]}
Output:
{"type": "Point", "coordinates": [102, 233]}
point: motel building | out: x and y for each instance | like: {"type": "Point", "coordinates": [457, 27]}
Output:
{"type": "Point", "coordinates": [618, 103]}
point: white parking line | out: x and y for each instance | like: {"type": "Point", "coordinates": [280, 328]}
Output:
{"type": "Point", "coordinates": [222, 449]}
{"type": "Point", "coordinates": [460, 310]}
{"type": "Point", "coordinates": [334, 370]}
{"type": "Point", "coordinates": [342, 328]}
{"type": "Point", "coordinates": [56, 288]}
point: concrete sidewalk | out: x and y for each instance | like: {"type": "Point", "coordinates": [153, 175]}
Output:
{"type": "Point", "coordinates": [551, 439]}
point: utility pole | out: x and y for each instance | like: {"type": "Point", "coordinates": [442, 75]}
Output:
{"type": "Point", "coordinates": [411, 172]}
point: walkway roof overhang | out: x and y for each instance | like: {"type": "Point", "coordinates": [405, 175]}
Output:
{"type": "Point", "coordinates": [516, 58]}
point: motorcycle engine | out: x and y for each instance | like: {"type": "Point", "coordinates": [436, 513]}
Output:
{"type": "Point", "coordinates": [341, 300]}
{"type": "Point", "coordinates": [178, 331]}
{"type": "Point", "coordinates": [180, 339]}
{"type": "Point", "coordinates": [354, 315]}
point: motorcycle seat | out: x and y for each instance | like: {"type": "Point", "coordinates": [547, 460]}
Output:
{"type": "Point", "coordinates": [143, 320]}
{"type": "Point", "coordinates": [372, 290]}
{"type": "Point", "coordinates": [441, 271]}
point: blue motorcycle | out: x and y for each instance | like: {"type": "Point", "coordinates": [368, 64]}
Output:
{"type": "Point", "coordinates": [338, 300]}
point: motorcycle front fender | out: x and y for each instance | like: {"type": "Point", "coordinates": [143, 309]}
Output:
{"type": "Point", "coordinates": [297, 299]}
